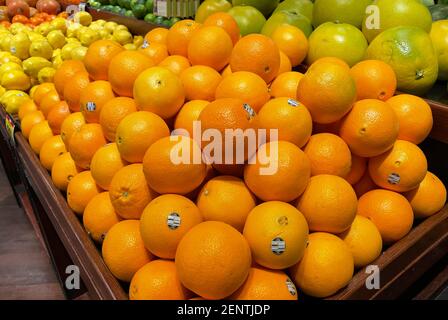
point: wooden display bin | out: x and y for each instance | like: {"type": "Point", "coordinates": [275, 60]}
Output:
{"type": "Point", "coordinates": [401, 265]}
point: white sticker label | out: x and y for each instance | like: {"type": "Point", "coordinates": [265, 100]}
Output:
{"type": "Point", "coordinates": [394, 178]}
{"type": "Point", "coordinates": [91, 106]}
{"type": "Point", "coordinates": [249, 110]}
{"type": "Point", "coordinates": [173, 221]}
{"type": "Point", "coordinates": [13, 49]}
{"type": "Point", "coordinates": [145, 44]}
{"type": "Point", "coordinates": [278, 246]}
{"type": "Point", "coordinates": [293, 103]}
{"type": "Point", "coordinates": [291, 287]}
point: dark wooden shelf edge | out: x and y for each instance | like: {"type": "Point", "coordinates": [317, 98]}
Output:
{"type": "Point", "coordinates": [100, 283]}
{"type": "Point", "coordinates": [135, 26]}
{"type": "Point", "coordinates": [424, 245]}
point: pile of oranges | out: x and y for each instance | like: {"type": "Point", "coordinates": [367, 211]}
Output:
{"type": "Point", "coordinates": [349, 175]}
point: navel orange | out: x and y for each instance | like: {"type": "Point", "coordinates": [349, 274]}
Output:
{"type": "Point", "coordinates": [200, 82]}
{"type": "Point", "coordinates": [99, 56]}
{"type": "Point", "coordinates": [80, 190]}
{"type": "Point", "coordinates": [93, 98]}
{"type": "Point", "coordinates": [113, 112]}
{"type": "Point", "coordinates": [51, 149]}
{"type": "Point", "coordinates": [165, 221]}
{"type": "Point", "coordinates": [85, 142]}
{"type": "Point", "coordinates": [105, 163]}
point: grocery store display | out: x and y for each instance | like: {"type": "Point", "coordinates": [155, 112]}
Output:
{"type": "Point", "coordinates": [128, 127]}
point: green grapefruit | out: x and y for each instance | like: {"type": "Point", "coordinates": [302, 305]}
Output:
{"type": "Point", "coordinates": [394, 13]}
{"type": "Point", "coordinates": [340, 40]}
{"type": "Point", "coordinates": [264, 6]}
{"type": "Point", "coordinates": [304, 7]}
{"type": "Point", "coordinates": [410, 52]}
{"type": "Point", "coordinates": [249, 19]}
{"type": "Point", "coordinates": [343, 11]}
{"type": "Point", "coordinates": [287, 17]}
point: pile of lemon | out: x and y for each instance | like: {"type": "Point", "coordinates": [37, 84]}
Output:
{"type": "Point", "coordinates": [30, 56]}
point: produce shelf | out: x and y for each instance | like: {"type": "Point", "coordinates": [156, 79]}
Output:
{"type": "Point", "coordinates": [401, 265]}
{"type": "Point", "coordinates": [135, 26]}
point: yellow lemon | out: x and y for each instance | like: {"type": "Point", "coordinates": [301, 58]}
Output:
{"type": "Point", "coordinates": [16, 79]}
{"type": "Point", "coordinates": [56, 39]}
{"type": "Point", "coordinates": [110, 26]}
{"type": "Point", "coordinates": [2, 91]}
{"type": "Point", "coordinates": [57, 61]}
{"type": "Point", "coordinates": [83, 17]}
{"type": "Point", "coordinates": [439, 37]}
{"type": "Point", "coordinates": [46, 74]}
{"type": "Point", "coordinates": [59, 24]}
{"type": "Point", "coordinates": [20, 45]}
{"type": "Point", "coordinates": [79, 53]}
{"type": "Point", "coordinates": [32, 65]}
{"type": "Point", "coordinates": [5, 41]}
{"type": "Point", "coordinates": [13, 99]}
{"type": "Point", "coordinates": [66, 52]}
{"type": "Point", "coordinates": [138, 41]}
{"type": "Point", "coordinates": [9, 66]}
{"type": "Point", "coordinates": [41, 48]}
{"type": "Point", "coordinates": [122, 36]}
{"type": "Point", "coordinates": [33, 90]}
{"type": "Point", "coordinates": [88, 37]}
{"type": "Point", "coordinates": [130, 46]}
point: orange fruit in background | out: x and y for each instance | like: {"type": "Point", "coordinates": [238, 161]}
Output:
{"type": "Point", "coordinates": [389, 211]}
{"type": "Point", "coordinates": [370, 129]}
{"type": "Point", "coordinates": [129, 191]}
{"type": "Point", "coordinates": [48, 102]}
{"type": "Point", "coordinates": [364, 185]}
{"type": "Point", "coordinates": [210, 46]}
{"type": "Point", "coordinates": [328, 154]}
{"type": "Point", "coordinates": [166, 174]}
{"type": "Point", "coordinates": [400, 169]}
{"type": "Point", "coordinates": [123, 250]}
{"type": "Point", "coordinates": [364, 241]}
{"type": "Point", "coordinates": [326, 267]}
{"type": "Point", "coordinates": [189, 113]}
{"type": "Point", "coordinates": [226, 199]}
{"type": "Point", "coordinates": [157, 280]}
{"type": "Point", "coordinates": [39, 133]}
{"type": "Point", "coordinates": [292, 41]}
{"type": "Point", "coordinates": [164, 222]}
{"type": "Point", "coordinates": [80, 190]}
{"type": "Point", "coordinates": [93, 98]}
{"type": "Point", "coordinates": [280, 172]}
{"type": "Point", "coordinates": [160, 91]}
{"type": "Point", "coordinates": [137, 132]}
{"type": "Point", "coordinates": [179, 36]}
{"type": "Point", "coordinates": [285, 64]}
{"type": "Point", "coordinates": [285, 85]}
{"type": "Point", "coordinates": [277, 234]}
{"type": "Point", "coordinates": [374, 79]}
{"type": "Point", "coordinates": [70, 125]}
{"type": "Point", "coordinates": [328, 90]}
{"type": "Point", "coordinates": [258, 54]}
{"type": "Point", "coordinates": [99, 56]}
{"type": "Point", "coordinates": [155, 51]}
{"type": "Point", "coordinates": [226, 22]}
{"type": "Point", "coordinates": [105, 163]}
{"type": "Point", "coordinates": [85, 142]}
{"type": "Point", "coordinates": [357, 170]}
{"type": "Point", "coordinates": [26, 108]}
{"type": "Point", "coordinates": [99, 216]}
{"type": "Point", "coordinates": [113, 112]}
{"type": "Point", "coordinates": [328, 203]}
{"type": "Point", "coordinates": [29, 121]}
{"type": "Point", "coordinates": [200, 83]}
{"type": "Point", "coordinates": [414, 115]}
{"type": "Point", "coordinates": [175, 64]}
{"type": "Point", "coordinates": [428, 198]}
{"type": "Point", "coordinates": [65, 72]}
{"type": "Point", "coordinates": [42, 90]}
{"type": "Point", "coordinates": [51, 149]}
{"type": "Point", "coordinates": [222, 115]}
{"type": "Point", "coordinates": [72, 92]}
{"type": "Point", "coordinates": [265, 284]}
{"type": "Point", "coordinates": [224, 260]}
{"type": "Point", "coordinates": [157, 35]}
{"type": "Point", "coordinates": [333, 60]}
{"type": "Point", "coordinates": [124, 69]}
{"type": "Point", "coordinates": [58, 113]}
{"type": "Point", "coordinates": [245, 86]}
{"type": "Point", "coordinates": [63, 170]}
{"type": "Point", "coordinates": [291, 119]}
